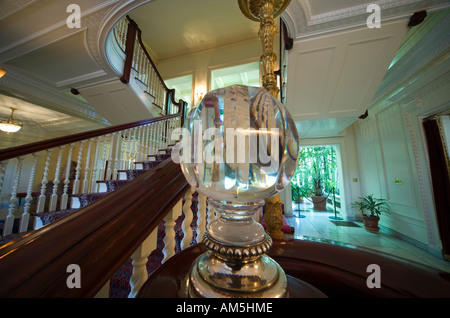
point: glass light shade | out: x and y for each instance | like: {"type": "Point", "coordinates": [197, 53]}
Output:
{"type": "Point", "coordinates": [241, 145]}
{"type": "Point", "coordinates": [10, 126]}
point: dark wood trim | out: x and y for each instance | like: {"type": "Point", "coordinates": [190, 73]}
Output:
{"type": "Point", "coordinates": [129, 50]}
{"type": "Point", "coordinates": [335, 270]}
{"type": "Point", "coordinates": [288, 41]}
{"type": "Point", "coordinates": [59, 141]}
{"type": "Point", "coordinates": [99, 238]}
{"type": "Point", "coordinates": [139, 32]}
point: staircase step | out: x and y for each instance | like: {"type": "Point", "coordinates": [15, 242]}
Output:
{"type": "Point", "coordinates": [131, 174]}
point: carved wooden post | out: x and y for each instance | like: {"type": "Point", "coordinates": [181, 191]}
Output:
{"type": "Point", "coordinates": [3, 165]}
{"type": "Point", "coordinates": [95, 164]}
{"type": "Point", "coordinates": [54, 197]}
{"type": "Point", "coordinates": [86, 169]}
{"type": "Point", "coordinates": [116, 164]}
{"type": "Point", "coordinates": [186, 224]}
{"type": "Point", "coordinates": [140, 258]}
{"type": "Point", "coordinates": [101, 174]}
{"type": "Point", "coordinates": [9, 222]}
{"type": "Point", "coordinates": [169, 238]}
{"type": "Point", "coordinates": [65, 196]}
{"type": "Point", "coordinates": [25, 220]}
{"type": "Point", "coordinates": [42, 198]}
{"type": "Point", "coordinates": [201, 216]}
{"type": "Point", "coordinates": [109, 168]}
{"type": "Point", "coordinates": [76, 182]}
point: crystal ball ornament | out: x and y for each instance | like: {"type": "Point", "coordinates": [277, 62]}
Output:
{"type": "Point", "coordinates": [243, 145]}
{"type": "Point", "coordinates": [239, 147]}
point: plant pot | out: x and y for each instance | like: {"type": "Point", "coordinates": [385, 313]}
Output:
{"type": "Point", "coordinates": [299, 200]}
{"type": "Point", "coordinates": [320, 202]}
{"type": "Point", "coordinates": [371, 223]}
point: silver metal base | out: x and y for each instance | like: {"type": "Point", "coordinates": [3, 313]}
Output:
{"type": "Point", "coordinates": [262, 278]}
{"type": "Point", "coordinates": [236, 272]}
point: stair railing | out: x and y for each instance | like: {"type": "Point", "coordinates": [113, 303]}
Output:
{"type": "Point", "coordinates": [46, 175]}
{"type": "Point", "coordinates": [100, 237]}
{"type": "Point", "coordinates": [103, 235]}
{"type": "Point", "coordinates": [128, 36]}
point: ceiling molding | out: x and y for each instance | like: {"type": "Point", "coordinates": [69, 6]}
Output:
{"type": "Point", "coordinates": [301, 23]}
{"type": "Point", "coordinates": [22, 86]}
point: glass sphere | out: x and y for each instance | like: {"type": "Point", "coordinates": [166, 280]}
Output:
{"type": "Point", "coordinates": [239, 145]}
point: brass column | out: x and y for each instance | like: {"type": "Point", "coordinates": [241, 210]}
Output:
{"type": "Point", "coordinates": [265, 11]}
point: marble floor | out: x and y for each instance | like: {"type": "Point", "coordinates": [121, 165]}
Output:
{"type": "Point", "coordinates": [319, 225]}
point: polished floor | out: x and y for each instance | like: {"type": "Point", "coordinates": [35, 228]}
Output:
{"type": "Point", "coordinates": [318, 225]}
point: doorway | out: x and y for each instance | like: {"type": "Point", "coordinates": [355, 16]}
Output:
{"type": "Point", "coordinates": [317, 185]}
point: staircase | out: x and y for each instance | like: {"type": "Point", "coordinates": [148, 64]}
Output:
{"type": "Point", "coordinates": [180, 222]}
{"type": "Point", "coordinates": [120, 281]}
{"type": "Point", "coordinates": [75, 186]}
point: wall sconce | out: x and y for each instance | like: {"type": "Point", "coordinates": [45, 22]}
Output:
{"type": "Point", "coordinates": [10, 125]}
{"type": "Point", "coordinates": [199, 93]}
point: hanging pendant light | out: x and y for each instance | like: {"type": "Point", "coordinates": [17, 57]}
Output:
{"type": "Point", "coordinates": [10, 125]}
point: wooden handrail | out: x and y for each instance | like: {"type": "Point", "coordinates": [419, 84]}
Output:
{"type": "Point", "coordinates": [59, 141]}
{"type": "Point", "coordinates": [129, 47]}
{"type": "Point", "coordinates": [99, 238]}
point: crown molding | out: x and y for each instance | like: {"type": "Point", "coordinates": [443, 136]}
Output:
{"type": "Point", "coordinates": [301, 23]}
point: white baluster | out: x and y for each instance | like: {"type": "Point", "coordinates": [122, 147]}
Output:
{"type": "Point", "coordinates": [159, 136]}
{"type": "Point", "coordinates": [140, 259]}
{"type": "Point", "coordinates": [169, 238]}
{"type": "Point", "coordinates": [186, 224]}
{"type": "Point", "coordinates": [42, 198]}
{"type": "Point", "coordinates": [116, 164]}
{"type": "Point", "coordinates": [133, 149]}
{"type": "Point", "coordinates": [65, 195]}
{"type": "Point", "coordinates": [54, 197]}
{"type": "Point", "coordinates": [76, 182]}
{"type": "Point", "coordinates": [9, 222]}
{"type": "Point", "coordinates": [127, 152]}
{"type": "Point", "coordinates": [152, 141]}
{"type": "Point", "coordinates": [96, 164]}
{"type": "Point", "coordinates": [147, 142]}
{"type": "Point", "coordinates": [141, 143]}
{"type": "Point", "coordinates": [122, 149]}
{"type": "Point", "coordinates": [201, 216]}
{"type": "Point", "coordinates": [86, 169]}
{"type": "Point", "coordinates": [211, 215]}
{"type": "Point", "coordinates": [25, 220]}
{"type": "Point", "coordinates": [3, 165]}
{"type": "Point", "coordinates": [101, 174]}
{"type": "Point", "coordinates": [110, 156]}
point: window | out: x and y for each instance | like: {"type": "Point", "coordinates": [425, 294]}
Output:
{"type": "Point", "coordinates": [244, 74]}
{"type": "Point", "coordinates": [183, 88]}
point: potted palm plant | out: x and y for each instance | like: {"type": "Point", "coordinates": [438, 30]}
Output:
{"type": "Point", "coordinates": [374, 207]}
{"type": "Point", "coordinates": [318, 198]}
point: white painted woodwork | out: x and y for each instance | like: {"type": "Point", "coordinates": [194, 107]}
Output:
{"type": "Point", "coordinates": [94, 187]}
{"type": "Point", "coordinates": [9, 222]}
{"type": "Point", "coordinates": [87, 168]}
{"type": "Point", "coordinates": [201, 216]}
{"type": "Point", "coordinates": [25, 218]}
{"type": "Point", "coordinates": [140, 258]}
{"type": "Point", "coordinates": [42, 198]}
{"type": "Point", "coordinates": [169, 238]}
{"type": "Point", "coordinates": [188, 216]}
{"type": "Point", "coordinates": [76, 182]}
{"type": "Point", "coordinates": [65, 195]}
{"type": "Point", "coordinates": [332, 79]}
{"type": "Point", "coordinates": [54, 196]}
